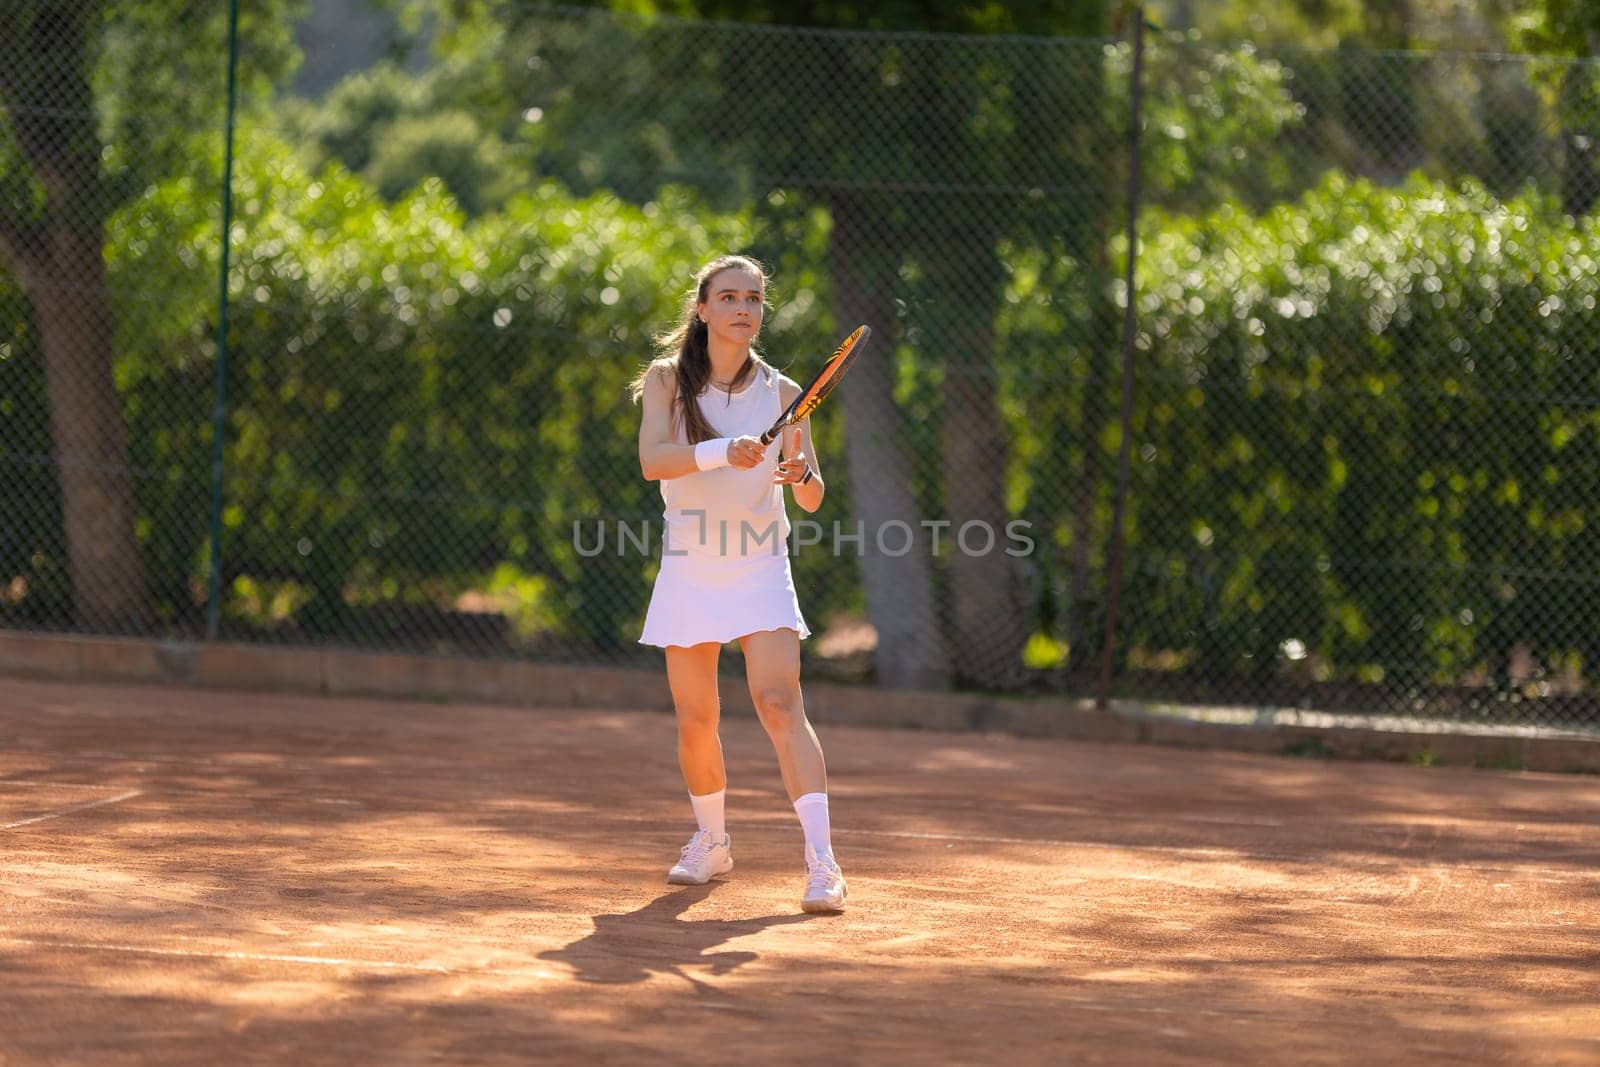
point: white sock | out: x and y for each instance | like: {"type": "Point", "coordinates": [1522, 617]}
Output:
{"type": "Point", "coordinates": [708, 813]}
{"type": "Point", "coordinates": [813, 811]}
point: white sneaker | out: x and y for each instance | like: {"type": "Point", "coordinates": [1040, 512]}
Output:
{"type": "Point", "coordinates": [702, 859]}
{"type": "Point", "coordinates": [825, 888]}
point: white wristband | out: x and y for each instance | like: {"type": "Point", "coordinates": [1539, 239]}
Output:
{"type": "Point", "coordinates": [713, 453]}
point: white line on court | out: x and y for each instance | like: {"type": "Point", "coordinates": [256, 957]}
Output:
{"type": "Point", "coordinates": [269, 957]}
{"type": "Point", "coordinates": [132, 758]}
{"type": "Point", "coordinates": [23, 783]}
{"type": "Point", "coordinates": [68, 811]}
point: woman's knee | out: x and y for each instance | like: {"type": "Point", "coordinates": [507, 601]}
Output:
{"type": "Point", "coordinates": [697, 719]}
{"type": "Point", "coordinates": [779, 709]}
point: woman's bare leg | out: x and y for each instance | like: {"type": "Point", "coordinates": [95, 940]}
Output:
{"type": "Point", "coordinates": [772, 669]}
{"type": "Point", "coordinates": [692, 677]}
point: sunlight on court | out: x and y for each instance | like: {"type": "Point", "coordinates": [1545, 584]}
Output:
{"type": "Point", "coordinates": [1255, 904]}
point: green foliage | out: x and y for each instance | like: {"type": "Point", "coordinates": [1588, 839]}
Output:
{"type": "Point", "coordinates": [1214, 121]}
{"type": "Point", "coordinates": [1481, 25]}
{"type": "Point", "coordinates": [350, 121]}
{"type": "Point", "coordinates": [421, 405]}
{"type": "Point", "coordinates": [1365, 447]}
{"type": "Point", "coordinates": [1556, 27]}
{"type": "Point", "coordinates": [1057, 17]}
{"type": "Point", "coordinates": [1360, 432]}
{"type": "Point", "coordinates": [1314, 23]}
{"type": "Point", "coordinates": [476, 168]}
{"type": "Point", "coordinates": [138, 99]}
{"type": "Point", "coordinates": [387, 125]}
{"type": "Point", "coordinates": [158, 72]}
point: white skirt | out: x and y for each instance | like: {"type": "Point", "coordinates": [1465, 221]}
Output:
{"type": "Point", "coordinates": [699, 598]}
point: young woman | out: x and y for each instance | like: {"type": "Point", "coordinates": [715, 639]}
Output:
{"type": "Point", "coordinates": [724, 564]}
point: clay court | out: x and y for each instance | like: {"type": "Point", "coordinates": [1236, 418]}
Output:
{"type": "Point", "coordinates": [203, 877]}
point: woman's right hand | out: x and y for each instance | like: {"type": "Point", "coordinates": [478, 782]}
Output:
{"type": "Point", "coordinates": [745, 452]}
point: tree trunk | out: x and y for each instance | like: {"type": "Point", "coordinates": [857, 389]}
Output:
{"type": "Point", "coordinates": [899, 588]}
{"type": "Point", "coordinates": [1083, 602]}
{"type": "Point", "coordinates": [90, 440]}
{"type": "Point", "coordinates": [986, 613]}
{"type": "Point", "coordinates": [56, 253]}
{"type": "Point", "coordinates": [987, 626]}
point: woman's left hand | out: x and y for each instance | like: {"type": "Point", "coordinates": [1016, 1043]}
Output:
{"type": "Point", "coordinates": [791, 470]}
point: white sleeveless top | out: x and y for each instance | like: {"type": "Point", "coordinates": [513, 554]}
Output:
{"type": "Point", "coordinates": [728, 511]}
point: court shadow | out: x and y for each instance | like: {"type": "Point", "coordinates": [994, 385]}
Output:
{"type": "Point", "coordinates": [631, 946]}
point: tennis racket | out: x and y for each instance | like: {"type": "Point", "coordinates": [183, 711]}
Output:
{"type": "Point", "coordinates": [824, 383]}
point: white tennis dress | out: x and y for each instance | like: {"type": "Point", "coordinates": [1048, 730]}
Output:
{"type": "Point", "coordinates": [725, 549]}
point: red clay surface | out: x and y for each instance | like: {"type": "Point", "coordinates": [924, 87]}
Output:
{"type": "Point", "coordinates": [219, 878]}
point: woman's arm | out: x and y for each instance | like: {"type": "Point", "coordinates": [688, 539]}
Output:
{"type": "Point", "coordinates": [661, 457]}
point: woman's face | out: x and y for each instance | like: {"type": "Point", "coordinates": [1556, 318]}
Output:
{"type": "Point", "coordinates": [733, 306]}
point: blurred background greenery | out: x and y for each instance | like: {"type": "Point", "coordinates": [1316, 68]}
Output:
{"type": "Point", "coordinates": [1367, 417]}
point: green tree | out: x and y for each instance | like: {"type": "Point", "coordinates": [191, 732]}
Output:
{"type": "Point", "coordinates": [99, 98]}
{"type": "Point", "coordinates": [422, 403]}
{"type": "Point", "coordinates": [1361, 437]}
{"type": "Point", "coordinates": [1326, 24]}
{"type": "Point", "coordinates": [394, 128]}
{"type": "Point", "coordinates": [1570, 28]}
{"type": "Point", "coordinates": [917, 222]}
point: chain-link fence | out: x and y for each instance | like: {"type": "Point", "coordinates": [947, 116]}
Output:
{"type": "Point", "coordinates": [1365, 445]}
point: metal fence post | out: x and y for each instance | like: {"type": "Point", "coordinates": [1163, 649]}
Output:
{"type": "Point", "coordinates": [214, 594]}
{"type": "Point", "coordinates": [1129, 323]}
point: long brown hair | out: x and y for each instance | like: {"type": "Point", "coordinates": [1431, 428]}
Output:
{"type": "Point", "coordinates": [685, 352]}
